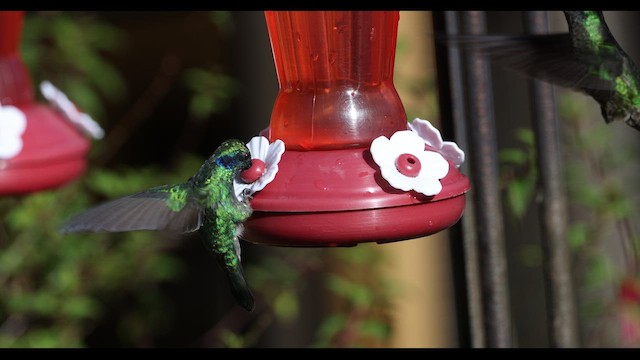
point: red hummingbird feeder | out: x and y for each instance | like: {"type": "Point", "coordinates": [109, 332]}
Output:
{"type": "Point", "coordinates": [52, 152]}
{"type": "Point", "coordinates": [336, 100]}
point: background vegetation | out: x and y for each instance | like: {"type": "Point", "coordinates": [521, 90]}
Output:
{"type": "Point", "coordinates": [167, 95]}
{"type": "Point", "coordinates": [144, 83]}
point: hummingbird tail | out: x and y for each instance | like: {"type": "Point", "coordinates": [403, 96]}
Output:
{"type": "Point", "coordinates": [240, 288]}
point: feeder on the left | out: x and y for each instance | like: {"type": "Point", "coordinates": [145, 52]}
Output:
{"type": "Point", "coordinates": [40, 145]}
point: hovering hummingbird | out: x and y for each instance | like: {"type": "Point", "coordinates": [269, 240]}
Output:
{"type": "Point", "coordinates": [587, 59]}
{"type": "Point", "coordinates": [206, 202]}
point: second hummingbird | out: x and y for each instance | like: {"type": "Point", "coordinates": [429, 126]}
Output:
{"type": "Point", "coordinates": [587, 59]}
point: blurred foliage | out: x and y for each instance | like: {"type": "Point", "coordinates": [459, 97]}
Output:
{"type": "Point", "coordinates": [55, 286]}
{"type": "Point", "coordinates": [57, 289]}
{"type": "Point", "coordinates": [601, 231]}
{"type": "Point", "coordinates": [362, 300]}
{"type": "Point", "coordinates": [71, 50]}
{"type": "Point", "coordinates": [518, 172]}
{"type": "Point", "coordinates": [354, 297]}
{"type": "Point", "coordinates": [211, 92]}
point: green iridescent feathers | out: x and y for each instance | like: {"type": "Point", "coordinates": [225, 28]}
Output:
{"type": "Point", "coordinates": [162, 208]}
{"type": "Point", "coordinates": [206, 202]}
{"type": "Point", "coordinates": [171, 207]}
{"type": "Point", "coordinates": [587, 59]}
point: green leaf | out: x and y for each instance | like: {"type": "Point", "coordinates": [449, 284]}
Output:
{"type": "Point", "coordinates": [599, 272]}
{"type": "Point", "coordinates": [375, 329]}
{"type": "Point", "coordinates": [359, 295]}
{"type": "Point", "coordinates": [201, 106]}
{"type": "Point", "coordinates": [578, 235]}
{"type": "Point", "coordinates": [41, 303]}
{"type": "Point", "coordinates": [329, 328]}
{"type": "Point", "coordinates": [286, 306]}
{"type": "Point", "coordinates": [80, 307]}
{"type": "Point", "coordinates": [358, 255]}
{"type": "Point", "coordinates": [212, 91]}
{"type": "Point", "coordinates": [515, 156]}
{"type": "Point", "coordinates": [619, 205]}
{"type": "Point", "coordinates": [402, 46]}
{"type": "Point", "coordinates": [165, 267]}
{"type": "Point", "coordinates": [519, 194]}
{"type": "Point", "coordinates": [526, 136]}
{"type": "Point", "coordinates": [223, 21]}
{"type": "Point", "coordinates": [231, 339]}
{"type": "Point", "coordinates": [41, 338]}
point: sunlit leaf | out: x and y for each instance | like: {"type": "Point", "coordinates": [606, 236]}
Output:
{"type": "Point", "coordinates": [358, 294]}
{"type": "Point", "coordinates": [376, 329]}
{"type": "Point", "coordinates": [599, 271]}
{"type": "Point", "coordinates": [286, 306]}
{"type": "Point", "coordinates": [329, 327]}
{"type": "Point", "coordinates": [578, 235]}
{"type": "Point", "coordinates": [515, 156]}
{"type": "Point", "coordinates": [519, 194]}
{"type": "Point", "coordinates": [526, 136]}
{"type": "Point", "coordinates": [80, 307]}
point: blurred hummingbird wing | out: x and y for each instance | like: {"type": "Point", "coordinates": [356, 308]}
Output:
{"type": "Point", "coordinates": [147, 210]}
{"type": "Point", "coordinates": [548, 57]}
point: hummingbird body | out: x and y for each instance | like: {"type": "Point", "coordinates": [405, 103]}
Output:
{"type": "Point", "coordinates": [587, 59]}
{"type": "Point", "coordinates": [206, 202]}
{"type": "Point", "coordinates": [595, 45]}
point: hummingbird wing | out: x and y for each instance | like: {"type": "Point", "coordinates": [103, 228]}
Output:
{"type": "Point", "coordinates": [548, 57]}
{"type": "Point", "coordinates": [172, 208]}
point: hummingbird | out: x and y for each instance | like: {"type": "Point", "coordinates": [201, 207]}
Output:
{"type": "Point", "coordinates": [205, 203]}
{"type": "Point", "coordinates": [587, 59]}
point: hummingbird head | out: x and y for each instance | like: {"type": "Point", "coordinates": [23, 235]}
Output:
{"type": "Point", "coordinates": [232, 155]}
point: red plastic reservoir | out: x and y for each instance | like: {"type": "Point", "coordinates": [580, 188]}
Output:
{"type": "Point", "coordinates": [335, 70]}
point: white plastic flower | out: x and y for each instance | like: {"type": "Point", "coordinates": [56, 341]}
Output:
{"type": "Point", "coordinates": [432, 137]}
{"type": "Point", "coordinates": [264, 166]}
{"type": "Point", "coordinates": [13, 123]}
{"type": "Point", "coordinates": [61, 102]}
{"type": "Point", "coordinates": [406, 165]}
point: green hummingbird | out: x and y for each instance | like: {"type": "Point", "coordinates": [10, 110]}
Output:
{"type": "Point", "coordinates": [206, 202]}
{"type": "Point", "coordinates": [587, 59]}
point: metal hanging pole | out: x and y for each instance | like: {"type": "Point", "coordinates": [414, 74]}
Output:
{"type": "Point", "coordinates": [485, 189]}
{"type": "Point", "coordinates": [553, 206]}
{"type": "Point", "coordinates": [464, 241]}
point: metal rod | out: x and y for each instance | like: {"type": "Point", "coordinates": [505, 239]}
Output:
{"type": "Point", "coordinates": [553, 207]}
{"type": "Point", "coordinates": [453, 122]}
{"type": "Point", "coordinates": [485, 187]}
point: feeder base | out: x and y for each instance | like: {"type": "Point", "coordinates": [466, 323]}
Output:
{"type": "Point", "coordinates": [348, 228]}
{"type": "Point", "coordinates": [53, 154]}
{"type": "Point", "coordinates": [339, 198]}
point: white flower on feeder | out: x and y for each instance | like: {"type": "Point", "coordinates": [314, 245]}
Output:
{"type": "Point", "coordinates": [61, 102]}
{"type": "Point", "coordinates": [432, 137]}
{"type": "Point", "coordinates": [13, 123]}
{"type": "Point", "coordinates": [264, 166]}
{"type": "Point", "coordinates": [406, 165]}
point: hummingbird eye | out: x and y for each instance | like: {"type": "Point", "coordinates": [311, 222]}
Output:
{"type": "Point", "coordinates": [231, 161]}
